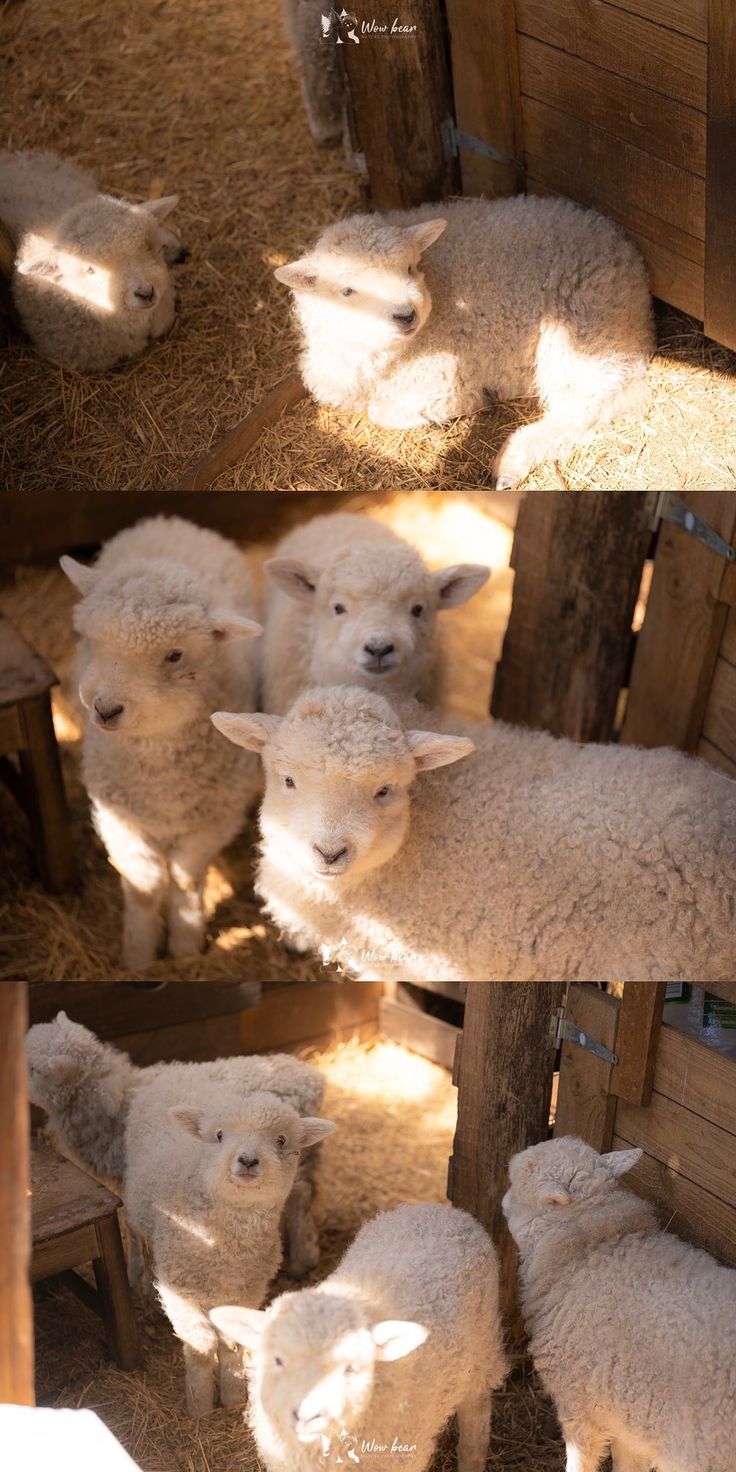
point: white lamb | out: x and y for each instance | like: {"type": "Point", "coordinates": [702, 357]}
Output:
{"type": "Point", "coordinates": [90, 284]}
{"type": "Point", "coordinates": [163, 617]}
{"type": "Point", "coordinates": [520, 297]}
{"type": "Point", "coordinates": [419, 1285]}
{"type": "Point", "coordinates": [534, 860]}
{"type": "Point", "coordinates": [350, 603]}
{"type": "Point", "coordinates": [632, 1331]}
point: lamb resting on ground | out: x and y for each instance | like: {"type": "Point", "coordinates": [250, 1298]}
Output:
{"type": "Point", "coordinates": [632, 1331]}
{"type": "Point", "coordinates": [90, 283]}
{"type": "Point", "coordinates": [350, 603]}
{"type": "Point", "coordinates": [419, 1288]}
{"type": "Point", "coordinates": [517, 297]}
{"type": "Point", "coordinates": [533, 860]}
{"type": "Point", "coordinates": [163, 617]}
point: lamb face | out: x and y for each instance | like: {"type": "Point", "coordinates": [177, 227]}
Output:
{"type": "Point", "coordinates": [59, 1058]}
{"type": "Point", "coordinates": [560, 1175]}
{"type": "Point", "coordinates": [363, 282]}
{"type": "Point", "coordinates": [250, 1153]}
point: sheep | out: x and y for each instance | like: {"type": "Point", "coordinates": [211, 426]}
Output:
{"type": "Point", "coordinates": [622, 1316]}
{"type": "Point", "coordinates": [351, 603]}
{"type": "Point", "coordinates": [162, 616]}
{"type": "Point", "coordinates": [90, 283]}
{"type": "Point", "coordinates": [523, 296]}
{"type": "Point", "coordinates": [533, 860]}
{"type": "Point", "coordinates": [418, 1284]}
{"type": "Point", "coordinates": [320, 75]}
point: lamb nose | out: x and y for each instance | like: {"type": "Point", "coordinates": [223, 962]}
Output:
{"type": "Point", "coordinates": [378, 650]}
{"type": "Point", "coordinates": [331, 855]}
{"type": "Point", "coordinates": [407, 319]}
{"type": "Point", "coordinates": [144, 293]}
{"type": "Point", "coordinates": [107, 712]}
{"type": "Point", "coordinates": [248, 1161]}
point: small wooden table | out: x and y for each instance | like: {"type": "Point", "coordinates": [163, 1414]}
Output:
{"type": "Point", "coordinates": [75, 1220]}
{"type": "Point", "coordinates": [26, 729]}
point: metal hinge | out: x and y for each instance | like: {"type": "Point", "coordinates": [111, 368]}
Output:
{"type": "Point", "coordinates": [668, 506]}
{"type": "Point", "coordinates": [562, 1031]}
{"type": "Point", "coordinates": [453, 139]}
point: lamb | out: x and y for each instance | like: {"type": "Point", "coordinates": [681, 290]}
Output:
{"type": "Point", "coordinates": [163, 615]}
{"type": "Point", "coordinates": [622, 1316]}
{"type": "Point", "coordinates": [523, 296]}
{"type": "Point", "coordinates": [533, 860]}
{"type": "Point", "coordinates": [350, 603]}
{"type": "Point", "coordinates": [90, 284]}
{"type": "Point", "coordinates": [317, 60]}
{"type": "Point", "coordinates": [418, 1285]}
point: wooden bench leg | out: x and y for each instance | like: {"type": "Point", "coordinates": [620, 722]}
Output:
{"type": "Point", "coordinates": [115, 1299]}
{"type": "Point", "coordinates": [46, 802]}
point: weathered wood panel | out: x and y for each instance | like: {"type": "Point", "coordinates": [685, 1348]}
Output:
{"type": "Point", "coordinates": [719, 725]}
{"type": "Point", "coordinates": [728, 642]}
{"type": "Point", "coordinates": [720, 257]}
{"type": "Point", "coordinates": [16, 1309]}
{"type": "Point", "coordinates": [639, 1024]}
{"type": "Point", "coordinates": [591, 192]}
{"type": "Point", "coordinates": [684, 1208]}
{"type": "Point", "coordinates": [585, 1105]}
{"type": "Point", "coordinates": [483, 47]}
{"type": "Point", "coordinates": [716, 758]}
{"type": "Point", "coordinates": [702, 1152]}
{"type": "Point", "coordinates": [111, 1011]}
{"type": "Point", "coordinates": [697, 1077]}
{"type": "Point", "coordinates": [291, 1016]}
{"type": "Point", "coordinates": [688, 16]}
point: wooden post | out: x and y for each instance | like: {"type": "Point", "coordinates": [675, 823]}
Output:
{"type": "Point", "coordinates": [399, 99]}
{"type": "Point", "coordinates": [639, 1024]}
{"type": "Point", "coordinates": [485, 74]}
{"type": "Point", "coordinates": [505, 1073]}
{"type": "Point", "coordinates": [16, 1306]}
{"type": "Point", "coordinates": [578, 561]}
{"type": "Point", "coordinates": [585, 1104]}
{"type": "Point", "coordinates": [720, 177]}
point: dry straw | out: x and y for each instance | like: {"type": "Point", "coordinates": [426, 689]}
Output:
{"type": "Point", "coordinates": [200, 96]}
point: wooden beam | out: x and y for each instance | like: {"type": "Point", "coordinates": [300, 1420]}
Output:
{"type": "Point", "coordinates": [502, 1105]}
{"type": "Point", "coordinates": [578, 561]}
{"type": "Point", "coordinates": [234, 446]}
{"type": "Point", "coordinates": [399, 100]}
{"type": "Point", "coordinates": [585, 1105]}
{"type": "Point", "coordinates": [16, 1317]}
{"type": "Point", "coordinates": [485, 71]}
{"type": "Point", "coordinates": [640, 1020]}
{"type": "Point", "coordinates": [720, 197]}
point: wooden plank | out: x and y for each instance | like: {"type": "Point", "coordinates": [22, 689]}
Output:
{"type": "Point", "coordinates": [578, 561]}
{"type": "Point", "coordinates": [720, 208]}
{"type": "Point", "coordinates": [191, 1042]}
{"type": "Point", "coordinates": [724, 989]}
{"type": "Point", "coordinates": [290, 1016]}
{"type": "Point", "coordinates": [24, 675]}
{"type": "Point", "coordinates": [639, 1025]}
{"type": "Point", "coordinates": [432, 1037]}
{"type": "Point", "coordinates": [702, 1152]}
{"type": "Point", "coordinates": [688, 16]}
{"type": "Point", "coordinates": [61, 1253]}
{"type": "Point", "coordinates": [501, 1110]}
{"type": "Point", "coordinates": [585, 1105]}
{"type": "Point", "coordinates": [633, 176]}
{"type": "Point", "coordinates": [16, 1318]}
{"type": "Point", "coordinates": [649, 54]}
{"type": "Point", "coordinates": [486, 91]}
{"type": "Point", "coordinates": [625, 109]}
{"type": "Point", "coordinates": [235, 443]}
{"type": "Point", "coordinates": [684, 1208]}
{"type": "Point", "coordinates": [400, 96]}
{"type": "Point", "coordinates": [678, 644]}
{"type": "Point", "coordinates": [64, 1197]}
{"type": "Point", "coordinates": [728, 640]}
{"type": "Point", "coordinates": [719, 724]}
{"type": "Point", "coordinates": [716, 758]}
{"type": "Point", "coordinates": [591, 191]}
{"type": "Point", "coordinates": [111, 1011]}
{"type": "Point", "coordinates": [697, 1077]}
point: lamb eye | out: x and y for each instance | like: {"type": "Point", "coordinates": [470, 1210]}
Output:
{"type": "Point", "coordinates": [417, 610]}
{"type": "Point", "coordinates": [278, 1361]}
{"type": "Point", "coordinates": [347, 291]}
{"type": "Point", "coordinates": [90, 270]}
{"type": "Point", "coordinates": [289, 782]}
{"type": "Point", "coordinates": [219, 1136]}
{"type": "Point", "coordinates": [411, 271]}
{"type": "Point", "coordinates": [382, 792]}
{"type": "Point", "coordinates": [173, 656]}
{"type": "Point", "coordinates": [339, 608]}
{"type": "Point", "coordinates": [281, 1141]}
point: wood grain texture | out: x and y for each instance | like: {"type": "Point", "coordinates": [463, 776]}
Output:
{"type": "Point", "coordinates": [16, 1313]}
{"type": "Point", "coordinates": [111, 1011]}
{"type": "Point", "coordinates": [701, 1152]}
{"type": "Point", "coordinates": [23, 672]}
{"type": "Point", "coordinates": [684, 1208]}
{"type": "Point", "coordinates": [585, 1105]}
{"type": "Point", "coordinates": [719, 724]}
{"type": "Point", "coordinates": [720, 209]}
{"type": "Point", "coordinates": [485, 73]}
{"type": "Point", "coordinates": [64, 1196]}
{"type": "Point", "coordinates": [715, 758]}
{"type": "Point", "coordinates": [688, 16]}
{"type": "Point", "coordinates": [578, 561]}
{"type": "Point", "coordinates": [293, 1016]}
{"type": "Point", "coordinates": [639, 1024]}
{"type": "Point", "coordinates": [235, 444]}
{"type": "Point", "coordinates": [697, 1077]}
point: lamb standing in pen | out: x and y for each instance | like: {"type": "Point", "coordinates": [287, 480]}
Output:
{"type": "Point", "coordinates": [90, 284]}
{"type": "Point", "coordinates": [517, 297]}
{"type": "Point", "coordinates": [632, 1331]}
{"type": "Point", "coordinates": [418, 1288]}
{"type": "Point", "coordinates": [351, 603]}
{"type": "Point", "coordinates": [534, 860]}
{"type": "Point", "coordinates": [163, 617]}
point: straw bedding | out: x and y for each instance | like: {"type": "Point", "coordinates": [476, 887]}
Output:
{"type": "Point", "coordinates": [201, 97]}
{"type": "Point", "coordinates": [395, 1114]}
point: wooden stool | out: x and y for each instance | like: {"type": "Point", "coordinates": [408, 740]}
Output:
{"type": "Point", "coordinates": [75, 1220]}
{"type": "Point", "coordinates": [26, 729]}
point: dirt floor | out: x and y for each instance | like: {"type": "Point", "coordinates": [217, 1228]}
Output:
{"type": "Point", "coordinates": [399, 1111]}
{"type": "Point", "coordinates": [76, 938]}
{"type": "Point", "coordinates": [201, 97]}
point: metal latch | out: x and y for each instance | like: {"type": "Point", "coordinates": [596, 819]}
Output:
{"type": "Point", "coordinates": [562, 1031]}
{"type": "Point", "coordinates": [453, 139]}
{"type": "Point", "coordinates": [668, 506]}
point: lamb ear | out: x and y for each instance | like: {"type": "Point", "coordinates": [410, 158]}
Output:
{"type": "Point", "coordinates": [189, 1119]}
{"type": "Point", "coordinates": [249, 730]}
{"type": "Point", "coordinates": [62, 1069]}
{"type": "Point", "coordinates": [431, 750]}
{"type": "Point", "coordinates": [230, 626]}
{"type": "Point", "coordinates": [314, 1130]}
{"type": "Point", "coordinates": [425, 234]}
{"type": "Point", "coordinates": [61, 1017]}
{"type": "Point", "coordinates": [295, 578]}
{"type": "Point", "coordinates": [44, 264]}
{"type": "Point", "coordinates": [455, 585]}
{"type": "Point", "coordinates": [619, 1161]}
{"type": "Point", "coordinates": [299, 275]}
{"type": "Point", "coordinates": [395, 1338]}
{"type": "Point", "coordinates": [242, 1325]}
{"type": "Point", "coordinates": [160, 208]}
{"type": "Point", "coordinates": [83, 578]}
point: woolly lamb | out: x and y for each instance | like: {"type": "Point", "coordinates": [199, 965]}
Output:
{"type": "Point", "coordinates": [632, 1331]}
{"type": "Point", "coordinates": [535, 860]}
{"type": "Point", "coordinates": [352, 603]}
{"type": "Point", "coordinates": [418, 1282]}
{"type": "Point", "coordinates": [318, 65]}
{"type": "Point", "coordinates": [91, 284]}
{"type": "Point", "coordinates": [523, 296]}
{"type": "Point", "coordinates": [163, 615]}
